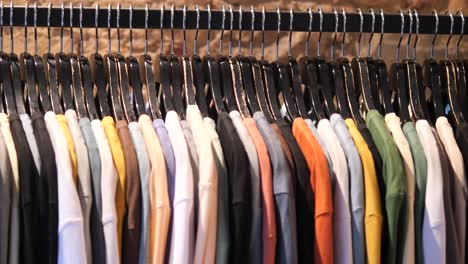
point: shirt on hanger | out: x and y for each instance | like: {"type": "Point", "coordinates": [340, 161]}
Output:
{"type": "Point", "coordinates": [6, 176]}
{"type": "Point", "coordinates": [356, 186]}
{"type": "Point", "coordinates": [311, 125]}
{"type": "Point", "coordinates": [303, 194]}
{"type": "Point", "coordinates": [342, 234]}
{"type": "Point", "coordinates": [131, 223]}
{"type": "Point", "coordinates": [223, 238]}
{"type": "Point", "coordinates": [393, 124]}
{"type": "Point", "coordinates": [255, 232]}
{"type": "Point", "coordinates": [461, 134]}
{"type": "Point", "coordinates": [372, 205]}
{"type": "Point", "coordinates": [159, 196]}
{"type": "Point", "coordinates": [98, 246]}
{"type": "Point", "coordinates": [459, 191]}
{"type": "Point", "coordinates": [84, 175]}
{"type": "Point", "coordinates": [28, 130]}
{"type": "Point", "coordinates": [71, 240]}
{"type": "Point", "coordinates": [420, 169]}
{"type": "Point", "coordinates": [47, 191]}
{"type": "Point", "coordinates": [395, 191]}
{"type": "Point", "coordinates": [109, 180]}
{"type": "Point", "coordinates": [286, 246]}
{"type": "Point", "coordinates": [145, 169]}
{"type": "Point", "coordinates": [119, 163]}
{"type": "Point", "coordinates": [320, 181]}
{"type": "Point", "coordinates": [183, 235]}
{"type": "Point", "coordinates": [268, 228]}
{"type": "Point", "coordinates": [284, 146]}
{"type": "Point", "coordinates": [13, 242]}
{"type": "Point", "coordinates": [71, 148]}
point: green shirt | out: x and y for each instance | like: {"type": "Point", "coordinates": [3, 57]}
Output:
{"type": "Point", "coordinates": [396, 199]}
{"type": "Point", "coordinates": [420, 171]}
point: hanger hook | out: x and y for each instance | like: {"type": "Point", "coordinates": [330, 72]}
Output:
{"type": "Point", "coordinates": [71, 27]}
{"type": "Point", "coordinates": [35, 27]}
{"type": "Point", "coordinates": [239, 41]}
{"type": "Point", "coordinates": [332, 49]}
{"type": "Point", "coordinates": [209, 31]}
{"type": "Point", "coordinates": [382, 23]}
{"type": "Point", "coordinates": [306, 52]}
{"type": "Point", "coordinates": [109, 10]}
{"type": "Point", "coordinates": [184, 16]}
{"type": "Point", "coordinates": [172, 29]}
{"type": "Point", "coordinates": [262, 43]}
{"type": "Point", "coordinates": [81, 30]}
{"type": "Point", "coordinates": [320, 31]}
{"type": "Point", "coordinates": [401, 35]}
{"type": "Point", "coordinates": [361, 22]}
{"type": "Point", "coordinates": [26, 27]}
{"type": "Point", "coordinates": [231, 18]}
{"type": "Point", "coordinates": [344, 33]}
{"type": "Point", "coordinates": [195, 44]}
{"type": "Point", "coordinates": [291, 22]}
{"type": "Point", "coordinates": [130, 27]}
{"type": "Point", "coordinates": [252, 30]}
{"type": "Point", "coordinates": [372, 32]}
{"type": "Point", "coordinates": [62, 14]}
{"type": "Point", "coordinates": [49, 9]}
{"type": "Point", "coordinates": [11, 27]}
{"type": "Point", "coordinates": [450, 36]}
{"type": "Point", "coordinates": [145, 50]}
{"type": "Point", "coordinates": [416, 18]}
{"type": "Point", "coordinates": [462, 31]}
{"type": "Point", "coordinates": [278, 12]}
{"type": "Point", "coordinates": [1, 26]}
{"type": "Point", "coordinates": [161, 25]}
{"type": "Point", "coordinates": [436, 31]}
{"type": "Point", "coordinates": [96, 27]}
{"type": "Point", "coordinates": [118, 28]}
{"type": "Point", "coordinates": [222, 30]}
{"type": "Point", "coordinates": [410, 31]}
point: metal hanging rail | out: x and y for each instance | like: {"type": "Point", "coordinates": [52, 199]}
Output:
{"type": "Point", "coordinates": [301, 20]}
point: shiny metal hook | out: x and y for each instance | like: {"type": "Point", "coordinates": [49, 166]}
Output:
{"type": "Point", "coordinates": [401, 35]}
{"type": "Point", "coordinates": [372, 32]}
{"type": "Point", "coordinates": [416, 17]}
{"type": "Point", "coordinates": [252, 30]}
{"type": "Point", "coordinates": [239, 41]}
{"type": "Point", "coordinates": [278, 12]}
{"type": "Point", "coordinates": [145, 50]}
{"type": "Point", "coordinates": [26, 27]}
{"type": "Point", "coordinates": [161, 24]}
{"type": "Point", "coordinates": [49, 9]}
{"type": "Point", "coordinates": [62, 14]}
{"type": "Point", "coordinates": [11, 27]}
{"type": "Point", "coordinates": [462, 31]}
{"type": "Point", "coordinates": [81, 30]}
{"type": "Point", "coordinates": [118, 28]}
{"type": "Point", "coordinates": [231, 18]}
{"type": "Point", "coordinates": [35, 27]}
{"type": "Point", "coordinates": [1, 26]}
{"type": "Point", "coordinates": [361, 22]}
{"type": "Point", "coordinates": [382, 23]}
{"type": "Point", "coordinates": [209, 32]}
{"type": "Point", "coordinates": [291, 20]}
{"type": "Point", "coordinates": [332, 49]}
{"type": "Point", "coordinates": [410, 14]}
{"type": "Point", "coordinates": [130, 27]}
{"type": "Point", "coordinates": [306, 52]}
{"type": "Point", "coordinates": [344, 33]}
{"type": "Point", "coordinates": [109, 9]}
{"type": "Point", "coordinates": [195, 40]}
{"type": "Point", "coordinates": [172, 30]}
{"type": "Point", "coordinates": [96, 28]}
{"type": "Point", "coordinates": [262, 43]}
{"type": "Point", "coordinates": [71, 27]}
{"type": "Point", "coordinates": [450, 36]}
{"type": "Point", "coordinates": [436, 31]}
{"type": "Point", "coordinates": [184, 16]}
{"type": "Point", "coordinates": [222, 31]}
{"type": "Point", "coordinates": [320, 31]}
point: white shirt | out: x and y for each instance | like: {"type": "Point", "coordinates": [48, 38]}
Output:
{"type": "Point", "coordinates": [109, 185]}
{"type": "Point", "coordinates": [71, 240]}
{"type": "Point", "coordinates": [434, 217]}
{"type": "Point", "coordinates": [445, 132]}
{"type": "Point", "coordinates": [341, 208]}
{"type": "Point", "coordinates": [183, 236]}
{"type": "Point", "coordinates": [393, 123]}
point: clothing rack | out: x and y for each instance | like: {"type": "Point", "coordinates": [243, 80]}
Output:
{"type": "Point", "coordinates": [392, 21]}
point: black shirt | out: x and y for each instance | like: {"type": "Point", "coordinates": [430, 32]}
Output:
{"type": "Point", "coordinates": [240, 189]}
{"type": "Point", "coordinates": [462, 140]}
{"type": "Point", "coordinates": [305, 210]}
{"type": "Point", "coordinates": [29, 209]}
{"type": "Point", "coordinates": [46, 192]}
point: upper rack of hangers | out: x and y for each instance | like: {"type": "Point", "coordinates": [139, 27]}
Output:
{"type": "Point", "coordinates": [392, 21]}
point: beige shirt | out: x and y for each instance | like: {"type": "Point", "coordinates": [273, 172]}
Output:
{"type": "Point", "coordinates": [160, 212]}
{"type": "Point", "coordinates": [393, 123]}
{"type": "Point", "coordinates": [445, 131]}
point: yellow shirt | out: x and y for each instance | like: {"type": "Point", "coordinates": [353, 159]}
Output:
{"type": "Point", "coordinates": [119, 162]}
{"type": "Point", "coordinates": [373, 211]}
{"type": "Point", "coordinates": [71, 148]}
{"type": "Point", "coordinates": [160, 212]}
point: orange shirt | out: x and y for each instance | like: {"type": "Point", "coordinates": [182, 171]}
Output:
{"type": "Point", "coordinates": [320, 181]}
{"type": "Point", "coordinates": [269, 220]}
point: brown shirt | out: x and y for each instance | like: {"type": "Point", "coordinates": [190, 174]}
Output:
{"type": "Point", "coordinates": [131, 225]}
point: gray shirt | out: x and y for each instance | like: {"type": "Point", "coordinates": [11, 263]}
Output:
{"type": "Point", "coordinates": [286, 248]}
{"type": "Point", "coordinates": [145, 170]}
{"type": "Point", "coordinates": [5, 181]}
{"type": "Point", "coordinates": [356, 186]}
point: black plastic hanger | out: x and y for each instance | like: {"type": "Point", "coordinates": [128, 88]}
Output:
{"type": "Point", "coordinates": [189, 86]}
{"type": "Point", "coordinates": [462, 90]}
{"type": "Point", "coordinates": [5, 73]}
{"type": "Point", "coordinates": [16, 85]}
{"type": "Point", "coordinates": [198, 73]}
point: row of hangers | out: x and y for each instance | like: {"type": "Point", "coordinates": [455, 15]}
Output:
{"type": "Point", "coordinates": [112, 85]}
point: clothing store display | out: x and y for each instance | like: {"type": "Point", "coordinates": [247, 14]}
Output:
{"type": "Point", "coordinates": [6, 175]}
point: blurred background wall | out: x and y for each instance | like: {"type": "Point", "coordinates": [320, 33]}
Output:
{"type": "Point", "coordinates": [298, 44]}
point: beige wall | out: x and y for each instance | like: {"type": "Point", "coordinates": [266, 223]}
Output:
{"type": "Point", "coordinates": [389, 42]}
